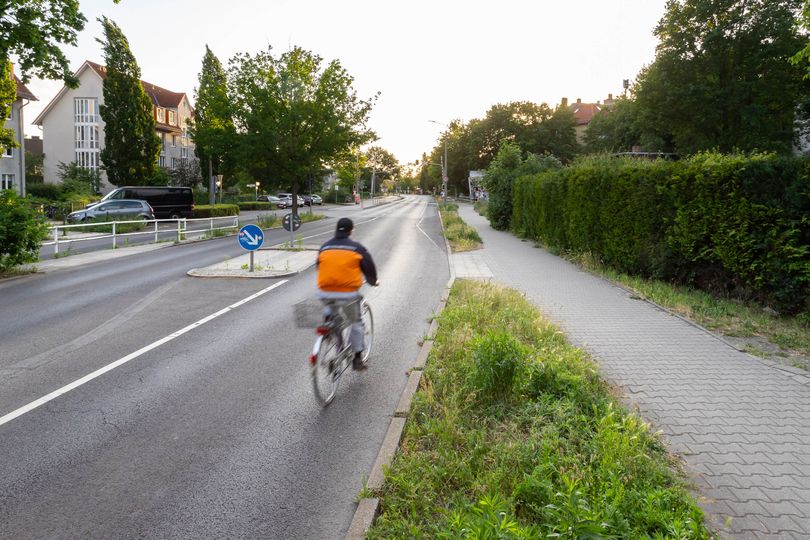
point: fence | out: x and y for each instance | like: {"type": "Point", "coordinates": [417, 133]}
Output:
{"type": "Point", "coordinates": [179, 233]}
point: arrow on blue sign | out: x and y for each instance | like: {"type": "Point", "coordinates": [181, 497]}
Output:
{"type": "Point", "coordinates": [250, 237]}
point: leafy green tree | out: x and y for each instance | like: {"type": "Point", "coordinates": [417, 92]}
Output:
{"type": "Point", "coordinates": [21, 231]}
{"type": "Point", "coordinates": [8, 93]}
{"type": "Point", "coordinates": [292, 114]}
{"type": "Point", "coordinates": [722, 77]}
{"type": "Point", "coordinates": [33, 168]}
{"type": "Point", "coordinates": [213, 129]}
{"type": "Point", "coordinates": [382, 164]}
{"type": "Point", "coordinates": [33, 33]}
{"type": "Point", "coordinates": [131, 146]}
{"type": "Point", "coordinates": [501, 174]}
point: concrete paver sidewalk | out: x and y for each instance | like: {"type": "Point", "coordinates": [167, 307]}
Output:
{"type": "Point", "coordinates": [742, 426]}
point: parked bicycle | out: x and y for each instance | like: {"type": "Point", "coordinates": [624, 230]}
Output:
{"type": "Point", "coordinates": [332, 353]}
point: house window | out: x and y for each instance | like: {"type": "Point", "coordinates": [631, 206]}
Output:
{"type": "Point", "coordinates": [162, 160]}
{"type": "Point", "coordinates": [85, 111]}
{"type": "Point", "coordinates": [162, 142]}
{"type": "Point", "coordinates": [174, 163]}
{"type": "Point", "coordinates": [174, 140]}
{"type": "Point", "coordinates": [172, 118]}
{"type": "Point", "coordinates": [8, 152]}
{"type": "Point", "coordinates": [161, 115]}
{"type": "Point", "coordinates": [86, 133]}
{"type": "Point", "coordinates": [6, 181]}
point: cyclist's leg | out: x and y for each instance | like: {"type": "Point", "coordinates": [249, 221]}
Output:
{"type": "Point", "coordinates": [353, 314]}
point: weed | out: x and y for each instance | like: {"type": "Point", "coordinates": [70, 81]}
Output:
{"type": "Point", "coordinates": [461, 236]}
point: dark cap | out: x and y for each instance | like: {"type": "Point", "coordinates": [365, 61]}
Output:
{"type": "Point", "coordinates": [344, 224]}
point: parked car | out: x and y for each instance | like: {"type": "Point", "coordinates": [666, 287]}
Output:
{"type": "Point", "coordinates": [166, 201]}
{"type": "Point", "coordinates": [119, 209]}
{"type": "Point", "coordinates": [316, 199]}
{"type": "Point", "coordinates": [287, 198]}
{"type": "Point", "coordinates": [278, 203]}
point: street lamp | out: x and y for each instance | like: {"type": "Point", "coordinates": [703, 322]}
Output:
{"type": "Point", "coordinates": [444, 162]}
{"type": "Point", "coordinates": [257, 190]}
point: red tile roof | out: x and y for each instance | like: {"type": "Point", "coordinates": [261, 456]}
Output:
{"type": "Point", "coordinates": [22, 91]}
{"type": "Point", "coordinates": [159, 96]}
{"type": "Point", "coordinates": [584, 112]}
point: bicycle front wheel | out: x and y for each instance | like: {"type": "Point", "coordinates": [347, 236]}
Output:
{"type": "Point", "coordinates": [324, 381]}
{"type": "Point", "coordinates": [368, 330]}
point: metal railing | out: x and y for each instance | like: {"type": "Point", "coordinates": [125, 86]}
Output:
{"type": "Point", "coordinates": [180, 233]}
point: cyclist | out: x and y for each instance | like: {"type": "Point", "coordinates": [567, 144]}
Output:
{"type": "Point", "coordinates": [342, 263]}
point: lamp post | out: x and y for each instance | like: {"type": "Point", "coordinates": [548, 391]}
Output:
{"type": "Point", "coordinates": [444, 161]}
{"type": "Point", "coordinates": [257, 190]}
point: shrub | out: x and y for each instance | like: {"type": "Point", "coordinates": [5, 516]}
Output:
{"type": "Point", "coordinates": [217, 210]}
{"type": "Point", "coordinates": [22, 230]}
{"type": "Point", "coordinates": [734, 224]}
{"type": "Point", "coordinates": [256, 205]}
{"type": "Point", "coordinates": [52, 192]}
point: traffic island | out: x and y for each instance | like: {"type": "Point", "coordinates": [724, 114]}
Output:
{"type": "Point", "coordinates": [267, 263]}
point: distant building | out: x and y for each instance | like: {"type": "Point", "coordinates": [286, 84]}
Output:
{"type": "Point", "coordinates": [12, 161]}
{"type": "Point", "coordinates": [584, 113]}
{"type": "Point", "coordinates": [73, 129]}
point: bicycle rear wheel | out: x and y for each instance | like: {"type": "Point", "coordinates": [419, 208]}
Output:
{"type": "Point", "coordinates": [324, 381]}
{"type": "Point", "coordinates": [368, 332]}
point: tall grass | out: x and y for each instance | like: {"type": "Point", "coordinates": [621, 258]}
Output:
{"type": "Point", "coordinates": [461, 236]}
{"type": "Point", "coordinates": [514, 435]}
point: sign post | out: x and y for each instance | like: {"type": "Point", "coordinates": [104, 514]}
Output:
{"type": "Point", "coordinates": [251, 238]}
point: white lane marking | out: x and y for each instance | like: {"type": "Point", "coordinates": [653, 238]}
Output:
{"type": "Point", "coordinates": [418, 226]}
{"type": "Point", "coordinates": [121, 361]}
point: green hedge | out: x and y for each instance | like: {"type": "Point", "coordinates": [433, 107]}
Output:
{"type": "Point", "coordinates": [732, 224]}
{"type": "Point", "coordinates": [256, 205]}
{"type": "Point", "coordinates": [217, 210]}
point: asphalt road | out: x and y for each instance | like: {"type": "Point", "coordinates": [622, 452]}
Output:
{"type": "Point", "coordinates": [214, 433]}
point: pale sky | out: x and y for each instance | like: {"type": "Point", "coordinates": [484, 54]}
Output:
{"type": "Point", "coordinates": [430, 60]}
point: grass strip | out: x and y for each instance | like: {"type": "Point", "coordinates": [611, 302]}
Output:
{"type": "Point", "coordinates": [120, 228]}
{"type": "Point", "coordinates": [514, 435]}
{"type": "Point", "coordinates": [730, 317]}
{"type": "Point", "coordinates": [461, 236]}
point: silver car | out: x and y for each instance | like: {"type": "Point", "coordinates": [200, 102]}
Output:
{"type": "Point", "coordinates": [114, 210]}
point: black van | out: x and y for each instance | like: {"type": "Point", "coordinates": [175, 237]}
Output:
{"type": "Point", "coordinates": [166, 201]}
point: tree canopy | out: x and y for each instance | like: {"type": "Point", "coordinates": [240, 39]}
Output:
{"type": "Point", "coordinates": [213, 128]}
{"type": "Point", "coordinates": [131, 146]}
{"type": "Point", "coordinates": [292, 114]}
{"type": "Point", "coordinates": [722, 79]}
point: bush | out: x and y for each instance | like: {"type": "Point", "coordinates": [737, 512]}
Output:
{"type": "Point", "coordinates": [733, 224]}
{"type": "Point", "coordinates": [52, 192]}
{"type": "Point", "coordinates": [22, 230]}
{"type": "Point", "coordinates": [217, 210]}
{"type": "Point", "coordinates": [256, 205]}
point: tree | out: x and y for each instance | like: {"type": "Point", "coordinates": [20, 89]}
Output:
{"type": "Point", "coordinates": [382, 164]}
{"type": "Point", "coordinates": [187, 173]}
{"type": "Point", "coordinates": [722, 77]}
{"type": "Point", "coordinates": [33, 168]}
{"type": "Point", "coordinates": [507, 166]}
{"type": "Point", "coordinates": [33, 33]}
{"type": "Point", "coordinates": [292, 115]}
{"type": "Point", "coordinates": [213, 129]}
{"type": "Point", "coordinates": [131, 146]}
{"type": "Point", "coordinates": [8, 93]}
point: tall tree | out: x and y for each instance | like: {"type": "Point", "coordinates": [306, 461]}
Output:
{"type": "Point", "coordinates": [213, 130]}
{"type": "Point", "coordinates": [722, 76]}
{"type": "Point", "coordinates": [8, 93]}
{"type": "Point", "coordinates": [131, 146]}
{"type": "Point", "coordinates": [32, 34]}
{"type": "Point", "coordinates": [292, 114]}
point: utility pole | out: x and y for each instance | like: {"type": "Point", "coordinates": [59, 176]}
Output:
{"type": "Point", "coordinates": [211, 183]}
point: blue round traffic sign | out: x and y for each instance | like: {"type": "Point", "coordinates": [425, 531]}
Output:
{"type": "Point", "coordinates": [251, 237]}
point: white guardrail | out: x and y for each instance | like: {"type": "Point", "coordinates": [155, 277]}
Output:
{"type": "Point", "coordinates": [181, 232]}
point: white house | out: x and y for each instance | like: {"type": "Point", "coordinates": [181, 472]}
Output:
{"type": "Point", "coordinates": [73, 130]}
{"type": "Point", "coordinates": [12, 160]}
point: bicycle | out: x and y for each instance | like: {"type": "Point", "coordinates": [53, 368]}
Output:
{"type": "Point", "coordinates": [332, 353]}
